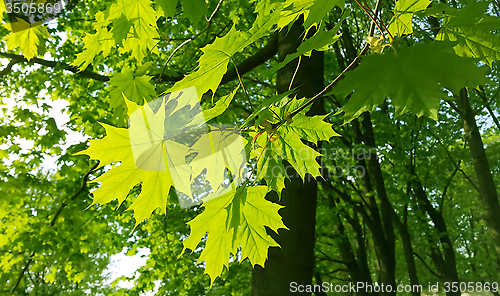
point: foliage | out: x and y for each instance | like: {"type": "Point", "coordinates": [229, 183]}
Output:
{"type": "Point", "coordinates": [180, 100]}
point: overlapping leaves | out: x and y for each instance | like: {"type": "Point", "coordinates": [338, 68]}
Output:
{"type": "Point", "coordinates": [235, 222]}
{"type": "Point", "coordinates": [153, 151]}
{"type": "Point", "coordinates": [284, 143]}
{"type": "Point", "coordinates": [471, 29]}
{"type": "Point", "coordinates": [414, 79]}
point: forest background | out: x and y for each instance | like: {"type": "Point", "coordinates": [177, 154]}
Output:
{"type": "Point", "coordinates": [334, 141]}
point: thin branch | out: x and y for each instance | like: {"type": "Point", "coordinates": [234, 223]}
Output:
{"type": "Point", "coordinates": [427, 266]}
{"type": "Point", "coordinates": [457, 166]}
{"type": "Point", "coordinates": [351, 66]}
{"type": "Point", "coordinates": [191, 39]}
{"type": "Point", "coordinates": [453, 106]}
{"type": "Point", "coordinates": [20, 277]}
{"type": "Point", "coordinates": [295, 73]}
{"type": "Point", "coordinates": [242, 85]}
{"type": "Point", "coordinates": [482, 95]}
{"type": "Point", "coordinates": [82, 188]}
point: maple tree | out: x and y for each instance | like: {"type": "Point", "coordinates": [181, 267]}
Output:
{"type": "Point", "coordinates": [186, 103]}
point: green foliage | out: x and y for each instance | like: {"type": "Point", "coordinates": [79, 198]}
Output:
{"type": "Point", "coordinates": [183, 49]}
{"type": "Point", "coordinates": [401, 22]}
{"type": "Point", "coordinates": [472, 30]}
{"type": "Point", "coordinates": [30, 42]}
{"type": "Point", "coordinates": [233, 221]}
{"type": "Point", "coordinates": [413, 79]}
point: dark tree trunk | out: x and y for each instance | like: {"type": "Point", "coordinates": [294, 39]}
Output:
{"type": "Point", "coordinates": [402, 228]}
{"type": "Point", "coordinates": [294, 261]}
{"type": "Point", "coordinates": [487, 188]}
{"type": "Point", "coordinates": [449, 269]}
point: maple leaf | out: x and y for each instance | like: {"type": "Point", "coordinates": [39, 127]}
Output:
{"type": "Point", "coordinates": [195, 10]}
{"type": "Point", "coordinates": [169, 7]}
{"type": "Point", "coordinates": [121, 28]}
{"type": "Point", "coordinates": [212, 65]}
{"type": "Point", "coordinates": [235, 221]}
{"type": "Point", "coordinates": [403, 13]}
{"type": "Point", "coordinates": [472, 31]}
{"type": "Point", "coordinates": [102, 41]}
{"type": "Point", "coordinates": [319, 10]}
{"type": "Point", "coordinates": [227, 150]}
{"type": "Point", "coordinates": [220, 106]}
{"type": "Point", "coordinates": [153, 151]}
{"type": "Point", "coordinates": [151, 162]}
{"type": "Point", "coordinates": [320, 41]}
{"type": "Point", "coordinates": [136, 88]}
{"type": "Point", "coordinates": [286, 144]}
{"type": "Point", "coordinates": [30, 41]}
{"type": "Point", "coordinates": [413, 79]}
{"type": "Point", "coordinates": [143, 28]}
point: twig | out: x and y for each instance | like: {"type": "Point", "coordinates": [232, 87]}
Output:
{"type": "Point", "coordinates": [20, 277]}
{"type": "Point", "coordinates": [351, 66]}
{"type": "Point", "coordinates": [8, 68]}
{"type": "Point", "coordinates": [52, 223]}
{"type": "Point", "coordinates": [84, 185]}
{"type": "Point", "coordinates": [427, 266]}
{"type": "Point", "coordinates": [241, 83]}
{"type": "Point", "coordinates": [295, 73]}
{"type": "Point", "coordinates": [457, 166]}
{"type": "Point", "coordinates": [191, 39]}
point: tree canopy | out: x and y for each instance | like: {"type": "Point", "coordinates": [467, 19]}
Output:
{"type": "Point", "coordinates": [254, 147]}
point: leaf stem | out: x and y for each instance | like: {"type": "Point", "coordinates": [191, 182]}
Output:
{"type": "Point", "coordinates": [241, 83]}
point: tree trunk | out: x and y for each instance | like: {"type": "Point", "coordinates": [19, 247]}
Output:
{"type": "Point", "coordinates": [402, 228]}
{"type": "Point", "coordinates": [294, 261]}
{"type": "Point", "coordinates": [450, 265]}
{"type": "Point", "coordinates": [487, 188]}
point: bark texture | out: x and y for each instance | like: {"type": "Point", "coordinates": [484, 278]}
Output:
{"type": "Point", "coordinates": [294, 261]}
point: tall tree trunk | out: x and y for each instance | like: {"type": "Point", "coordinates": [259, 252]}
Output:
{"type": "Point", "coordinates": [450, 265]}
{"type": "Point", "coordinates": [294, 261]}
{"type": "Point", "coordinates": [487, 188]}
{"type": "Point", "coordinates": [402, 228]}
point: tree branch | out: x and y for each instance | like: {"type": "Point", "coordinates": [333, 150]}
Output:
{"type": "Point", "coordinates": [8, 68]}
{"type": "Point", "coordinates": [82, 188]}
{"type": "Point", "coordinates": [266, 53]}
{"type": "Point", "coordinates": [53, 64]}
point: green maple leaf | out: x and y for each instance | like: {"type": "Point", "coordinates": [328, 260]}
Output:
{"type": "Point", "coordinates": [287, 145]}
{"type": "Point", "coordinates": [153, 151]}
{"type": "Point", "coordinates": [472, 30]}
{"type": "Point", "coordinates": [413, 80]}
{"type": "Point", "coordinates": [265, 106]}
{"type": "Point", "coordinates": [121, 28]}
{"type": "Point", "coordinates": [319, 10]}
{"type": "Point", "coordinates": [102, 41]}
{"type": "Point", "coordinates": [403, 13]}
{"type": "Point", "coordinates": [169, 7]}
{"type": "Point", "coordinates": [195, 10]}
{"type": "Point", "coordinates": [213, 64]}
{"type": "Point", "coordinates": [145, 156]}
{"type": "Point", "coordinates": [319, 41]}
{"type": "Point", "coordinates": [220, 106]}
{"type": "Point", "coordinates": [30, 41]}
{"type": "Point", "coordinates": [144, 29]}
{"type": "Point", "coordinates": [227, 150]}
{"type": "Point", "coordinates": [292, 10]}
{"type": "Point", "coordinates": [136, 88]}
{"type": "Point", "coordinates": [235, 221]}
